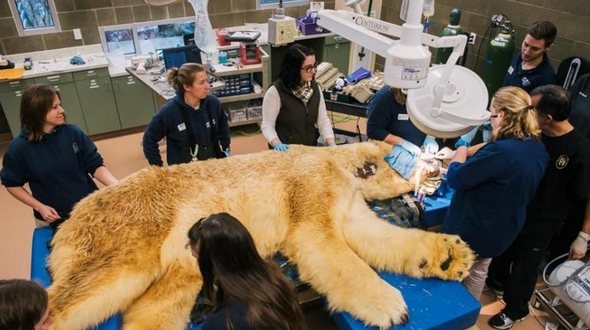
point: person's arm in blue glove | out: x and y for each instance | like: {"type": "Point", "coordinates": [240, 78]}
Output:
{"type": "Point", "coordinates": [430, 145]}
{"type": "Point", "coordinates": [413, 149]}
{"type": "Point", "coordinates": [226, 152]}
{"type": "Point", "coordinates": [465, 139]}
{"type": "Point", "coordinates": [281, 147]}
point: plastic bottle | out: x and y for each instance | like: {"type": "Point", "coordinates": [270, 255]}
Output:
{"type": "Point", "coordinates": [204, 35]}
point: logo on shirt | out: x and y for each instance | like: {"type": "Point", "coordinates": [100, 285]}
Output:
{"type": "Point", "coordinates": [181, 127]}
{"type": "Point", "coordinates": [561, 162]}
{"type": "Point", "coordinates": [75, 147]}
{"type": "Point", "coordinates": [510, 70]}
{"type": "Point", "coordinates": [208, 125]}
{"type": "Point", "coordinates": [525, 81]}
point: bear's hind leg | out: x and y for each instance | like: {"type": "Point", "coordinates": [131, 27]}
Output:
{"type": "Point", "coordinates": [414, 252]}
{"type": "Point", "coordinates": [330, 266]}
{"type": "Point", "coordinates": [167, 303]}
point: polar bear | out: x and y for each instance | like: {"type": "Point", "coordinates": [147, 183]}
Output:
{"type": "Point", "coordinates": [124, 247]}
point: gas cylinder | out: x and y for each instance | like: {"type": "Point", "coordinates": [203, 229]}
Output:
{"type": "Point", "coordinates": [453, 29]}
{"type": "Point", "coordinates": [498, 58]}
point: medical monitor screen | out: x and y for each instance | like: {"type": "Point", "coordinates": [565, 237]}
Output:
{"type": "Point", "coordinates": [175, 57]}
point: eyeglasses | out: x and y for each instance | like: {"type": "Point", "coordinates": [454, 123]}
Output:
{"type": "Point", "coordinates": [308, 68]}
{"type": "Point", "coordinates": [494, 116]}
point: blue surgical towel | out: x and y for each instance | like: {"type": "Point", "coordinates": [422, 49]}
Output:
{"type": "Point", "coordinates": [402, 161]}
{"type": "Point", "coordinates": [77, 60]}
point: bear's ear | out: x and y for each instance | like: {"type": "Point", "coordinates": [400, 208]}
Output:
{"type": "Point", "coordinates": [368, 169]}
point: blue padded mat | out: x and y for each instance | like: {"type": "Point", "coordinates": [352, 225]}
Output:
{"type": "Point", "coordinates": [432, 303]}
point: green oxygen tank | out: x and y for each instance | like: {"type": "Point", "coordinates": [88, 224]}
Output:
{"type": "Point", "coordinates": [453, 29]}
{"type": "Point", "coordinates": [498, 58]}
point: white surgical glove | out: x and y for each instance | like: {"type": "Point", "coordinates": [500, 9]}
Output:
{"type": "Point", "coordinates": [579, 246]}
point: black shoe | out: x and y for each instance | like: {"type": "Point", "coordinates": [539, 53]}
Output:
{"type": "Point", "coordinates": [502, 321]}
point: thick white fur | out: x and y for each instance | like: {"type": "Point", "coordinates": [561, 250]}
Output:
{"type": "Point", "coordinates": [124, 247]}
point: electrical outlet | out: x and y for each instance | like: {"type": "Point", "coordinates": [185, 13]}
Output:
{"type": "Point", "coordinates": [281, 31]}
{"type": "Point", "coordinates": [77, 34]}
{"type": "Point", "coordinates": [471, 39]}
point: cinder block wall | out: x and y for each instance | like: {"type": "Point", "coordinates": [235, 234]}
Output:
{"type": "Point", "coordinates": [572, 18]}
{"type": "Point", "coordinates": [88, 15]}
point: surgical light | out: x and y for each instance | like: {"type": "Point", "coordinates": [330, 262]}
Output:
{"type": "Point", "coordinates": [443, 101]}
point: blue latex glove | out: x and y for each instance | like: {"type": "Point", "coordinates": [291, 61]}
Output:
{"type": "Point", "coordinates": [281, 147]}
{"type": "Point", "coordinates": [465, 139]}
{"type": "Point", "coordinates": [227, 152]}
{"type": "Point", "coordinates": [403, 161]}
{"type": "Point", "coordinates": [410, 147]}
{"type": "Point", "coordinates": [430, 145]}
{"type": "Point", "coordinates": [332, 144]}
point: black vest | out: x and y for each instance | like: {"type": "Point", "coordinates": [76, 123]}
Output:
{"type": "Point", "coordinates": [296, 122]}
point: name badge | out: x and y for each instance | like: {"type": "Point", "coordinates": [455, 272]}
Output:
{"type": "Point", "coordinates": [181, 127]}
{"type": "Point", "coordinates": [402, 116]}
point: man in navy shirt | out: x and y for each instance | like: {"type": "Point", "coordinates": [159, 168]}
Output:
{"type": "Point", "coordinates": [531, 68]}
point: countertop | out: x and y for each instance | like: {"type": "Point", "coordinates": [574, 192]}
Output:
{"type": "Point", "coordinates": [57, 61]}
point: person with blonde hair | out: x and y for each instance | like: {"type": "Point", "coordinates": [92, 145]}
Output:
{"type": "Point", "coordinates": [494, 185]}
{"type": "Point", "coordinates": [565, 184]}
{"type": "Point", "coordinates": [193, 122]}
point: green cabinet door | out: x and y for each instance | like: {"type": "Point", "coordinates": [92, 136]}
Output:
{"type": "Point", "coordinates": [98, 105]}
{"type": "Point", "coordinates": [71, 105]}
{"type": "Point", "coordinates": [337, 52]}
{"type": "Point", "coordinates": [134, 101]}
{"type": "Point", "coordinates": [11, 93]}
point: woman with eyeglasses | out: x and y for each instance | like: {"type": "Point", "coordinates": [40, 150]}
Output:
{"type": "Point", "coordinates": [246, 291]}
{"type": "Point", "coordinates": [24, 305]}
{"type": "Point", "coordinates": [493, 187]}
{"type": "Point", "coordinates": [293, 109]}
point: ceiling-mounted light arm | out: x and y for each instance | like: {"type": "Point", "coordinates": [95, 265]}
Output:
{"type": "Point", "coordinates": [367, 32]}
{"type": "Point", "coordinates": [335, 20]}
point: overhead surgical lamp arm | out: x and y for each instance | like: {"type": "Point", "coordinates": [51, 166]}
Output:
{"type": "Point", "coordinates": [406, 60]}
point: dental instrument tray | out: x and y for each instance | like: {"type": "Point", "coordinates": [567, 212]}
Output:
{"type": "Point", "coordinates": [242, 36]}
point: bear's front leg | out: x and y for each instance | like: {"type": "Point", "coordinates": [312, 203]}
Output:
{"type": "Point", "coordinates": [167, 303]}
{"type": "Point", "coordinates": [413, 252]}
{"type": "Point", "coordinates": [327, 263]}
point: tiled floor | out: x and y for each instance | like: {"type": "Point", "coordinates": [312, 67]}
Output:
{"type": "Point", "coordinates": [123, 156]}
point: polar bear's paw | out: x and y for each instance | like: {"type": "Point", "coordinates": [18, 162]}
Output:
{"type": "Point", "coordinates": [448, 258]}
{"type": "Point", "coordinates": [380, 306]}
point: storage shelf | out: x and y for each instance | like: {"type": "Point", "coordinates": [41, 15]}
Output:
{"type": "Point", "coordinates": [223, 71]}
{"type": "Point", "coordinates": [245, 122]}
{"type": "Point", "coordinates": [243, 97]}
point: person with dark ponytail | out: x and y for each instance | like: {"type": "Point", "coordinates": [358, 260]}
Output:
{"type": "Point", "coordinates": [193, 122]}
{"type": "Point", "coordinates": [246, 291]}
{"type": "Point", "coordinates": [24, 305]}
